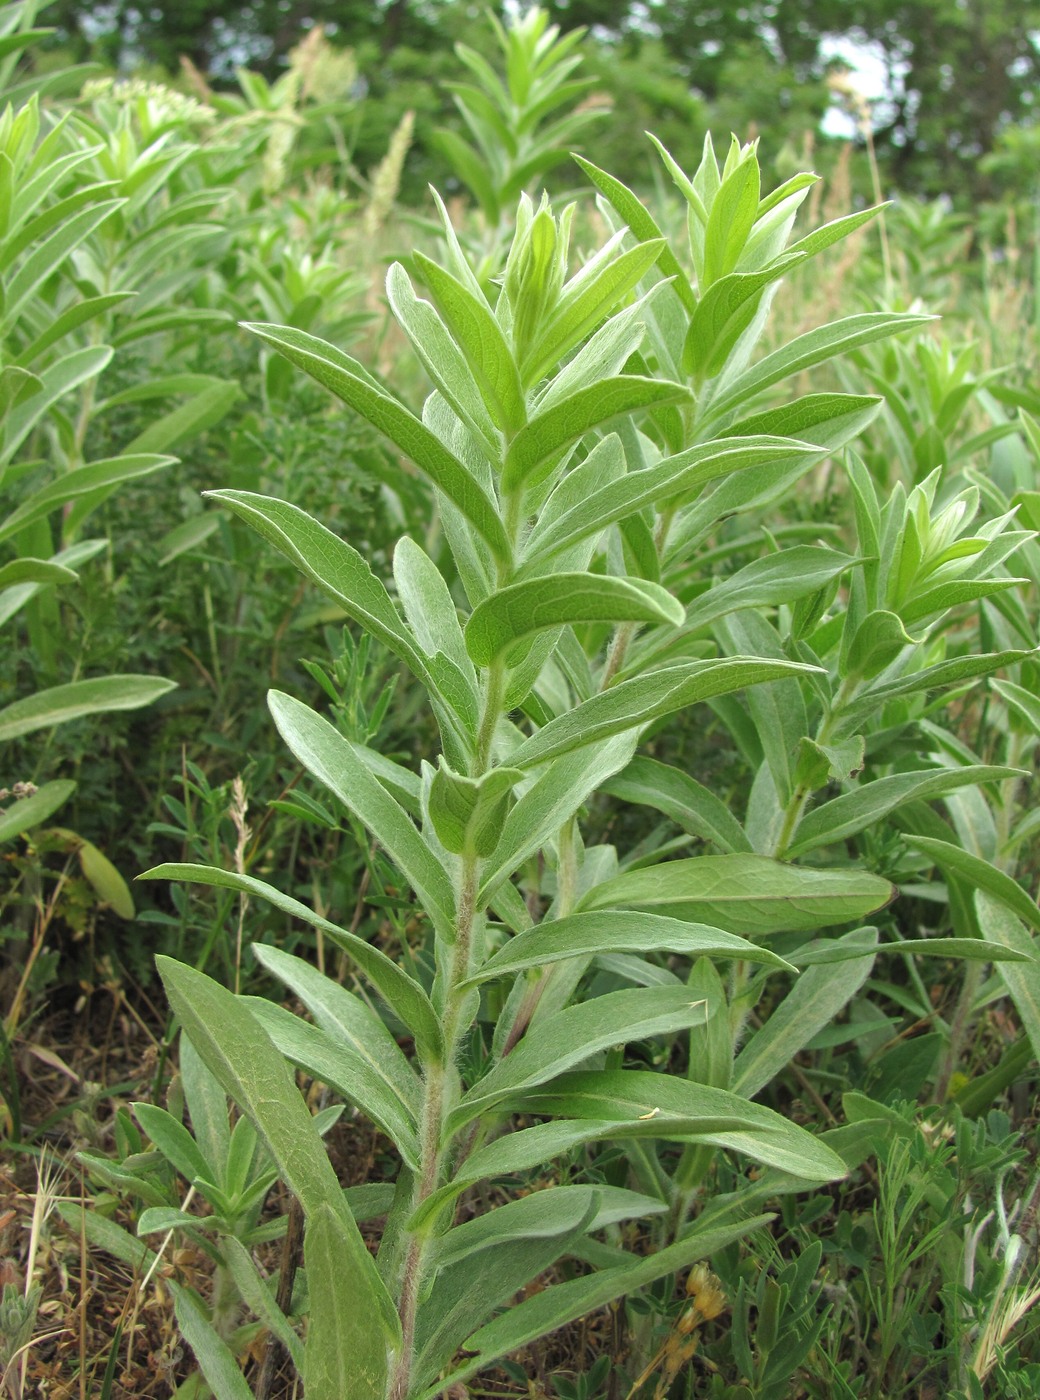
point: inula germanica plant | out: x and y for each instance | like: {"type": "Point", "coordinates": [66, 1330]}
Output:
{"type": "Point", "coordinates": [588, 432]}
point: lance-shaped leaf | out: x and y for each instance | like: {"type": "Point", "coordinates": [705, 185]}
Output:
{"type": "Point", "coordinates": [542, 603]}
{"type": "Point", "coordinates": [746, 894]}
{"type": "Point", "coordinates": [937, 677]}
{"type": "Point", "coordinates": [55, 381]}
{"type": "Point", "coordinates": [238, 1052]}
{"type": "Point", "coordinates": [83, 481]}
{"type": "Point", "coordinates": [580, 935]}
{"type": "Point", "coordinates": [853, 811]}
{"type": "Point", "coordinates": [571, 1036]}
{"type": "Point", "coordinates": [532, 1147]}
{"type": "Point", "coordinates": [633, 1095]}
{"type": "Point", "coordinates": [63, 703]}
{"type": "Point", "coordinates": [475, 329]}
{"type": "Point", "coordinates": [723, 314]}
{"type": "Point", "coordinates": [331, 758]}
{"type": "Point", "coordinates": [30, 811]}
{"type": "Point", "coordinates": [1000, 927]}
{"type": "Point", "coordinates": [441, 357]}
{"type": "Point", "coordinates": [533, 1233]}
{"type": "Point", "coordinates": [584, 302]}
{"type": "Point", "coordinates": [345, 1354]}
{"type": "Point", "coordinates": [535, 449]}
{"type": "Point", "coordinates": [429, 606]}
{"type": "Point", "coordinates": [641, 222]}
{"type": "Point", "coordinates": [404, 996]}
{"type": "Point", "coordinates": [828, 420]}
{"type": "Point", "coordinates": [216, 1359]}
{"type": "Point", "coordinates": [562, 1303]}
{"type": "Point", "coordinates": [634, 703]}
{"type": "Point", "coordinates": [679, 476]}
{"type": "Point", "coordinates": [777, 578]}
{"type": "Point", "coordinates": [49, 254]}
{"type": "Point", "coordinates": [979, 874]}
{"type": "Point", "coordinates": [346, 1069]}
{"type": "Point", "coordinates": [28, 570]}
{"type": "Point", "coordinates": [557, 794]}
{"type": "Point", "coordinates": [812, 1003]}
{"type": "Point", "coordinates": [351, 383]}
{"type": "Point", "coordinates": [348, 1020]}
{"type": "Point", "coordinates": [814, 347]}
{"type": "Point", "coordinates": [688, 802]}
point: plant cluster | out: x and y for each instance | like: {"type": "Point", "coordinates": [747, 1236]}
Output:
{"type": "Point", "coordinates": [656, 666]}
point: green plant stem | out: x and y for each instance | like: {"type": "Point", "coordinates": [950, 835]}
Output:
{"type": "Point", "coordinates": [438, 1076]}
{"type": "Point", "coordinates": [800, 796]}
{"type": "Point", "coordinates": [494, 696]}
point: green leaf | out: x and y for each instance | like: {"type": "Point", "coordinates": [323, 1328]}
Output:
{"type": "Point", "coordinates": [189, 534]}
{"type": "Point", "coordinates": [641, 222]}
{"type": "Point", "coordinates": [944, 673]}
{"type": "Point", "coordinates": [562, 1303]}
{"type": "Point", "coordinates": [559, 599]}
{"type": "Point", "coordinates": [207, 1106]}
{"type": "Point", "coordinates": [216, 1359]}
{"type": "Point", "coordinates": [979, 874]}
{"type": "Point", "coordinates": [875, 644]}
{"type": "Point", "coordinates": [534, 451]}
{"type": "Point", "coordinates": [344, 1069]}
{"type": "Point", "coordinates": [776, 578]}
{"type": "Point", "coordinates": [101, 875]}
{"type": "Point", "coordinates": [814, 347]}
{"type": "Point", "coordinates": [328, 561]}
{"type": "Point", "coordinates": [532, 1234]}
{"type": "Point", "coordinates": [173, 1140]}
{"type": "Point", "coordinates": [258, 1298]}
{"type": "Point", "coordinates": [723, 314]}
{"type": "Point", "coordinates": [828, 420]}
{"type": "Point", "coordinates": [634, 703]}
{"type": "Point", "coordinates": [201, 412]}
{"type": "Point", "coordinates": [49, 254]}
{"type": "Point", "coordinates": [349, 381]}
{"type": "Point", "coordinates": [641, 1095]}
{"type": "Point", "coordinates": [584, 302]}
{"type": "Point", "coordinates": [82, 482]}
{"type": "Point", "coordinates": [580, 935]}
{"type": "Point", "coordinates": [559, 791]}
{"type": "Point", "coordinates": [853, 811]}
{"type": "Point", "coordinates": [442, 359]}
{"type": "Point", "coordinates": [16, 597]}
{"type": "Point", "coordinates": [689, 803]}
{"type": "Point", "coordinates": [813, 1003]}
{"type": "Point", "coordinates": [1000, 927]}
{"type": "Point", "coordinates": [27, 812]}
{"type": "Point", "coordinates": [239, 1053]}
{"type": "Point", "coordinates": [332, 759]}
{"type": "Point", "coordinates": [746, 894]}
{"type": "Point", "coordinates": [557, 1042]}
{"type": "Point", "coordinates": [74, 316]}
{"type": "Point", "coordinates": [345, 1352]}
{"type": "Point", "coordinates": [468, 814]}
{"type": "Point", "coordinates": [63, 703]}
{"type": "Point", "coordinates": [480, 337]}
{"type": "Point", "coordinates": [56, 381]}
{"type": "Point", "coordinates": [731, 217]}
{"type": "Point", "coordinates": [41, 571]}
{"type": "Point", "coordinates": [404, 996]}
{"type": "Point", "coordinates": [1022, 702]}
{"type": "Point", "coordinates": [429, 607]}
{"type": "Point", "coordinates": [680, 476]}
